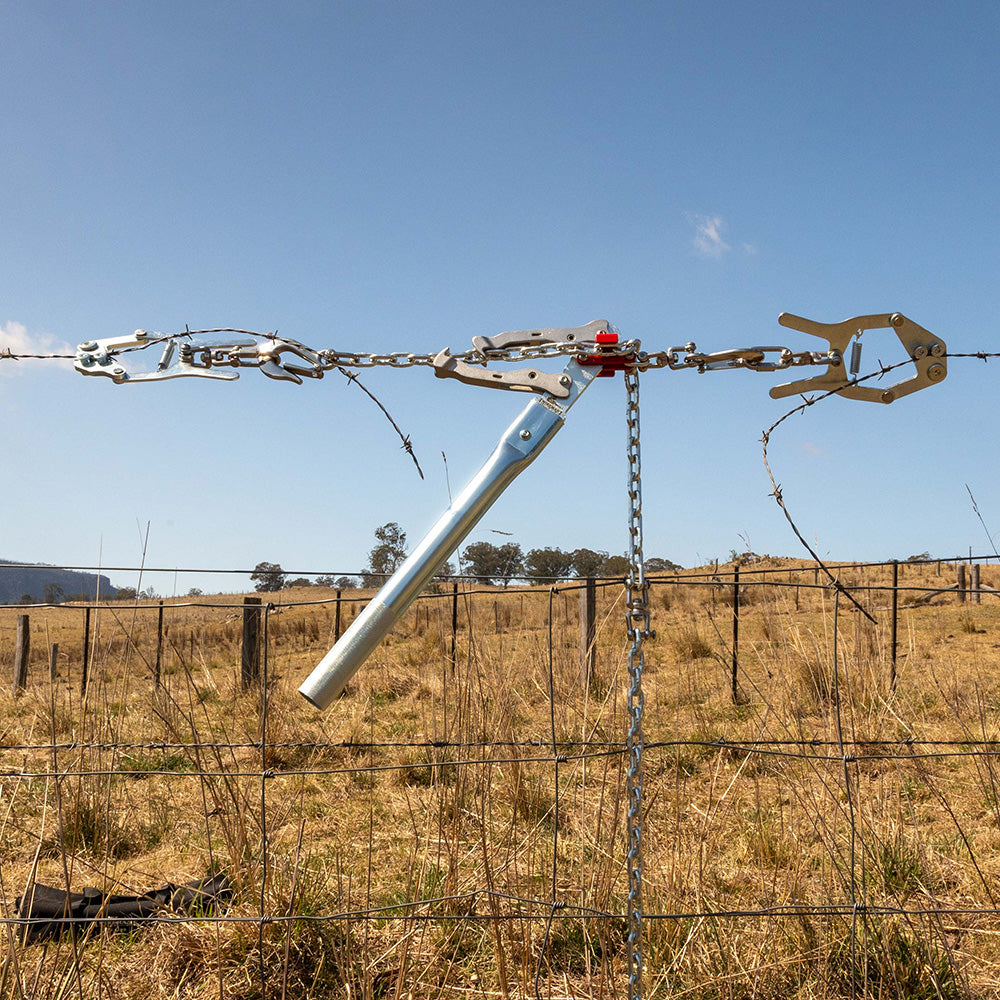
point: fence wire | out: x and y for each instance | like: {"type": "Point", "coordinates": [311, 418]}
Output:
{"type": "Point", "coordinates": [859, 900]}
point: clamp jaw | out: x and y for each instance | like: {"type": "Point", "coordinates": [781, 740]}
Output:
{"type": "Point", "coordinates": [202, 358]}
{"type": "Point", "coordinates": [925, 350]}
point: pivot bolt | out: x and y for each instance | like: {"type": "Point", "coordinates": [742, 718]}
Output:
{"type": "Point", "coordinates": [564, 380]}
{"type": "Point", "coordinates": [888, 396]}
{"type": "Point", "coordinates": [935, 373]}
{"type": "Point", "coordinates": [140, 335]}
{"type": "Point", "coordinates": [91, 345]}
{"type": "Point", "coordinates": [897, 319]}
{"type": "Point", "coordinates": [937, 350]}
{"type": "Point", "coordinates": [920, 352]}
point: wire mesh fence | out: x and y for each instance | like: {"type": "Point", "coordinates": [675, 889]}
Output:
{"type": "Point", "coordinates": [821, 797]}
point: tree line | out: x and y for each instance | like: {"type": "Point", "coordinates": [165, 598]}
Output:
{"type": "Point", "coordinates": [493, 565]}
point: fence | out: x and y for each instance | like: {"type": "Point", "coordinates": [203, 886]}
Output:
{"type": "Point", "coordinates": [821, 790]}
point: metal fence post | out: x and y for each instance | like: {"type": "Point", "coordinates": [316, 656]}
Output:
{"type": "Point", "coordinates": [895, 623]}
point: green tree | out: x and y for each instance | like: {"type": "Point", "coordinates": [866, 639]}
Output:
{"type": "Point", "coordinates": [493, 563]}
{"type": "Point", "coordinates": [615, 566]}
{"type": "Point", "coordinates": [384, 559]}
{"type": "Point", "coordinates": [548, 564]}
{"type": "Point", "coordinates": [299, 581]}
{"type": "Point", "coordinates": [268, 576]}
{"type": "Point", "coordinates": [657, 565]}
{"type": "Point", "coordinates": [52, 593]}
{"type": "Point", "coordinates": [587, 562]}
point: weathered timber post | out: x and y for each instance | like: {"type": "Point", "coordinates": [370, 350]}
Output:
{"type": "Point", "coordinates": [336, 619]}
{"type": "Point", "coordinates": [895, 623]}
{"type": "Point", "coordinates": [588, 631]}
{"type": "Point", "coordinates": [86, 650]}
{"type": "Point", "coordinates": [21, 651]}
{"type": "Point", "coordinates": [250, 666]}
{"type": "Point", "coordinates": [53, 658]}
{"type": "Point", "coordinates": [736, 627]}
{"type": "Point", "coordinates": [454, 624]}
{"type": "Point", "coordinates": [159, 644]}
{"type": "Point", "coordinates": [976, 593]}
{"type": "Point", "coordinates": [961, 583]}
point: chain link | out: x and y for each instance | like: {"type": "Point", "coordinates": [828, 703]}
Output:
{"type": "Point", "coordinates": [762, 359]}
{"type": "Point", "coordinates": [637, 622]}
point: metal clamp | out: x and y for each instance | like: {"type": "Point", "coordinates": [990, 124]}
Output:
{"type": "Point", "coordinates": [100, 357]}
{"type": "Point", "coordinates": [523, 379]}
{"type": "Point", "coordinates": [925, 350]}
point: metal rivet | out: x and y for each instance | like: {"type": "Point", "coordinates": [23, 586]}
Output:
{"type": "Point", "coordinates": [897, 319]}
{"type": "Point", "coordinates": [564, 380]}
{"type": "Point", "coordinates": [935, 373]}
{"type": "Point", "coordinates": [888, 396]}
{"type": "Point", "coordinates": [526, 435]}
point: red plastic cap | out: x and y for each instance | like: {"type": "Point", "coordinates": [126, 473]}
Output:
{"type": "Point", "coordinates": [606, 338]}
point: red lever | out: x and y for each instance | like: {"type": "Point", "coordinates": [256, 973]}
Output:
{"type": "Point", "coordinates": [609, 365]}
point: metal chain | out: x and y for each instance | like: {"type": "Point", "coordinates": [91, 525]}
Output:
{"type": "Point", "coordinates": [637, 621]}
{"type": "Point", "coordinates": [763, 359]}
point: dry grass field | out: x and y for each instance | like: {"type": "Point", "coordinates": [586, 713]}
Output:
{"type": "Point", "coordinates": [457, 829]}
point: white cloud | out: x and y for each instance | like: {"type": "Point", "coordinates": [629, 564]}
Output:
{"type": "Point", "coordinates": [708, 241]}
{"type": "Point", "coordinates": [15, 339]}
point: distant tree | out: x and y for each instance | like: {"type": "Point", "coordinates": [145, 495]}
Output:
{"type": "Point", "coordinates": [26, 599]}
{"type": "Point", "coordinates": [921, 557]}
{"type": "Point", "coordinates": [269, 576]}
{"type": "Point", "coordinates": [52, 593]}
{"type": "Point", "coordinates": [587, 562]}
{"type": "Point", "coordinates": [548, 564]}
{"type": "Point", "coordinates": [346, 583]}
{"type": "Point", "coordinates": [195, 592]}
{"type": "Point", "coordinates": [615, 566]}
{"type": "Point", "coordinates": [493, 563]}
{"type": "Point", "coordinates": [125, 594]}
{"type": "Point", "coordinates": [384, 559]}
{"type": "Point", "coordinates": [445, 572]}
{"type": "Point", "coordinates": [148, 594]}
{"type": "Point", "coordinates": [658, 565]}
{"type": "Point", "coordinates": [299, 581]}
{"type": "Point", "coordinates": [326, 581]}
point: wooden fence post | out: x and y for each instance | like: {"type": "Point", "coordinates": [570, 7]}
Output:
{"type": "Point", "coordinates": [736, 628]}
{"type": "Point", "coordinates": [588, 631]}
{"type": "Point", "coordinates": [86, 650]}
{"type": "Point", "coordinates": [159, 644]}
{"type": "Point", "coordinates": [250, 665]}
{"type": "Point", "coordinates": [976, 593]}
{"type": "Point", "coordinates": [961, 583]}
{"type": "Point", "coordinates": [336, 619]}
{"type": "Point", "coordinates": [454, 624]}
{"type": "Point", "coordinates": [895, 623]}
{"type": "Point", "coordinates": [21, 651]}
{"type": "Point", "coordinates": [53, 658]}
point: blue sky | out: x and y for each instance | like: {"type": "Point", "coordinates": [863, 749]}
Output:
{"type": "Point", "coordinates": [405, 176]}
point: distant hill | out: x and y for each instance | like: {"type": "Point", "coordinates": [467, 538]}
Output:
{"type": "Point", "coordinates": [38, 581]}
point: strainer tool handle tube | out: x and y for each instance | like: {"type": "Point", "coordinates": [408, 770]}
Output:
{"type": "Point", "coordinates": [520, 445]}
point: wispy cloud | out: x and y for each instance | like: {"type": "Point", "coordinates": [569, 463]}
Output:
{"type": "Point", "coordinates": [15, 339]}
{"type": "Point", "coordinates": [708, 239]}
{"type": "Point", "coordinates": [811, 448]}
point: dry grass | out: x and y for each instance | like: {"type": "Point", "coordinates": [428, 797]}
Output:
{"type": "Point", "coordinates": [435, 784]}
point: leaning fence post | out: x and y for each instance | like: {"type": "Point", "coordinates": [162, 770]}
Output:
{"type": "Point", "coordinates": [961, 583]}
{"type": "Point", "coordinates": [588, 631]}
{"type": "Point", "coordinates": [21, 654]}
{"type": "Point", "coordinates": [736, 627]}
{"type": "Point", "coordinates": [250, 669]}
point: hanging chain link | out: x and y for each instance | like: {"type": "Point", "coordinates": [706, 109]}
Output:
{"type": "Point", "coordinates": [638, 622]}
